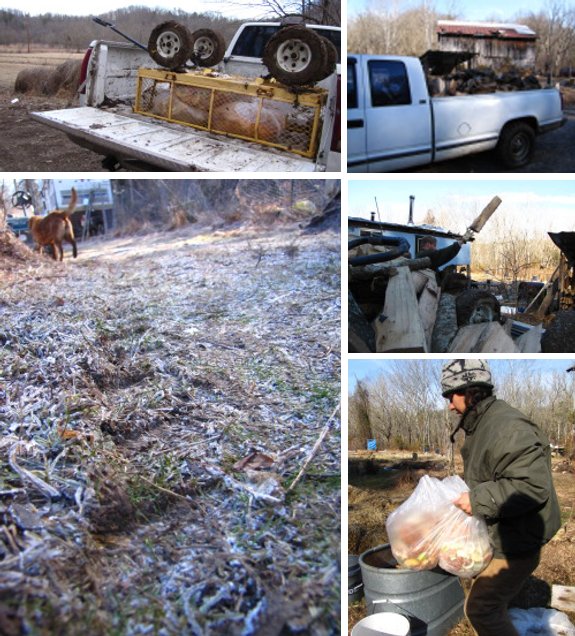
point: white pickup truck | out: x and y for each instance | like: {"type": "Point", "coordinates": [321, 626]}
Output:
{"type": "Point", "coordinates": [393, 123]}
{"type": "Point", "coordinates": [105, 122]}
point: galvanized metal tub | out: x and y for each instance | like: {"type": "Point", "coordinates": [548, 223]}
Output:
{"type": "Point", "coordinates": [354, 582]}
{"type": "Point", "coordinates": [432, 600]}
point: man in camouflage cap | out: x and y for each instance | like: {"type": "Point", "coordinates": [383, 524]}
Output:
{"type": "Point", "coordinates": [507, 466]}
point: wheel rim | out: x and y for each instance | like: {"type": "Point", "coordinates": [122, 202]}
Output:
{"type": "Point", "coordinates": [482, 313]}
{"type": "Point", "coordinates": [520, 146]}
{"type": "Point", "coordinates": [204, 47]}
{"type": "Point", "coordinates": [293, 56]}
{"type": "Point", "coordinates": [169, 44]}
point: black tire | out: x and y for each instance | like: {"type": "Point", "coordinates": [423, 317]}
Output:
{"type": "Point", "coordinates": [559, 336]}
{"type": "Point", "coordinates": [330, 60]}
{"type": "Point", "coordinates": [296, 56]}
{"type": "Point", "coordinates": [170, 44]}
{"type": "Point", "coordinates": [361, 336]}
{"type": "Point", "coordinates": [516, 144]}
{"type": "Point", "coordinates": [474, 306]}
{"type": "Point", "coordinates": [208, 47]}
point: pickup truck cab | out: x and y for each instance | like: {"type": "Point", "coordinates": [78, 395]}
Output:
{"type": "Point", "coordinates": [393, 123]}
{"type": "Point", "coordinates": [105, 122]}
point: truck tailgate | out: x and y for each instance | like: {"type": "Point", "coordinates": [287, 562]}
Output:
{"type": "Point", "coordinates": [167, 146]}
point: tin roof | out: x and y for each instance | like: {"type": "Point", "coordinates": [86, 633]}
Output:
{"type": "Point", "coordinates": [486, 29]}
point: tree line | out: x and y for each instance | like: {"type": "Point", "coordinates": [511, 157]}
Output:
{"type": "Point", "coordinates": [141, 204]}
{"type": "Point", "coordinates": [391, 30]}
{"type": "Point", "coordinates": [506, 251]}
{"type": "Point", "coordinates": [75, 33]}
{"type": "Point", "coordinates": [401, 407]}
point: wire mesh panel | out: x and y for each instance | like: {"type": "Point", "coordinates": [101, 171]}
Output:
{"type": "Point", "coordinates": [254, 110]}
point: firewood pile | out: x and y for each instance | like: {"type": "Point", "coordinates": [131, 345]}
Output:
{"type": "Point", "coordinates": [484, 80]}
{"type": "Point", "coordinates": [400, 306]}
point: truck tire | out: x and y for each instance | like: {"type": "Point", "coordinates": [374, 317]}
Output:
{"type": "Point", "coordinates": [559, 336]}
{"type": "Point", "coordinates": [170, 44]}
{"type": "Point", "coordinates": [516, 144]}
{"type": "Point", "coordinates": [474, 306]}
{"type": "Point", "coordinates": [295, 56]}
{"type": "Point", "coordinates": [330, 60]}
{"type": "Point", "coordinates": [208, 47]}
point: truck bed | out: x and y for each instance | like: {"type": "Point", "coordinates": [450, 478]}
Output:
{"type": "Point", "coordinates": [166, 146]}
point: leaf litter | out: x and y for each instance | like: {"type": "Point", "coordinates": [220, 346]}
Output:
{"type": "Point", "coordinates": [157, 398]}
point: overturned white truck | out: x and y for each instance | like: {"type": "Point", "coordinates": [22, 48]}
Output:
{"type": "Point", "coordinates": [269, 102]}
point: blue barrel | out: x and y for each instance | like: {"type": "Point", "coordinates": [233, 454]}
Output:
{"type": "Point", "coordinates": [432, 600]}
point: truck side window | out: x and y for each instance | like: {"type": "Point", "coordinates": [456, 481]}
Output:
{"type": "Point", "coordinates": [389, 83]}
{"type": "Point", "coordinates": [351, 84]}
{"type": "Point", "coordinates": [252, 40]}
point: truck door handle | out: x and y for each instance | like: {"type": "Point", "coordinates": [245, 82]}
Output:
{"type": "Point", "coordinates": [423, 101]}
{"type": "Point", "coordinates": [355, 123]}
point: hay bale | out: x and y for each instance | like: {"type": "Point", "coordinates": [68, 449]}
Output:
{"type": "Point", "coordinates": [39, 80]}
{"type": "Point", "coordinates": [32, 80]}
{"type": "Point", "coordinates": [65, 78]}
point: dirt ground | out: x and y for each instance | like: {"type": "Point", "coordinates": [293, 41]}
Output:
{"type": "Point", "coordinates": [158, 396]}
{"type": "Point", "coordinates": [28, 146]}
{"type": "Point", "coordinates": [372, 496]}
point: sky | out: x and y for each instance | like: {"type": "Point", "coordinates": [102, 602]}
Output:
{"type": "Point", "coordinates": [360, 369]}
{"type": "Point", "coordinates": [540, 205]}
{"type": "Point", "coordinates": [464, 9]}
{"type": "Point", "coordinates": [242, 9]}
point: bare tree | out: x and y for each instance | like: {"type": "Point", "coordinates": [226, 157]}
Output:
{"type": "Point", "coordinates": [360, 426]}
{"type": "Point", "coordinates": [555, 27]}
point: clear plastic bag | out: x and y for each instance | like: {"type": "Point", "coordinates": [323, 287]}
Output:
{"type": "Point", "coordinates": [541, 621]}
{"type": "Point", "coordinates": [429, 530]}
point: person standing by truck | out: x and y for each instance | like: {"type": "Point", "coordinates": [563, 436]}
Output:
{"type": "Point", "coordinates": [507, 467]}
{"type": "Point", "coordinates": [428, 247]}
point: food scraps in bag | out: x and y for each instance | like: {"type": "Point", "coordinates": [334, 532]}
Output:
{"type": "Point", "coordinates": [429, 530]}
{"type": "Point", "coordinates": [461, 558]}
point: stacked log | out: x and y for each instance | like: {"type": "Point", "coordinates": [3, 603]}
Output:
{"type": "Point", "coordinates": [483, 80]}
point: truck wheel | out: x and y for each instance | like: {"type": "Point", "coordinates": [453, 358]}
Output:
{"type": "Point", "coordinates": [559, 336]}
{"type": "Point", "coordinates": [474, 306]}
{"type": "Point", "coordinates": [516, 144]}
{"type": "Point", "coordinates": [208, 47]}
{"type": "Point", "coordinates": [330, 59]}
{"type": "Point", "coordinates": [295, 55]}
{"type": "Point", "coordinates": [170, 44]}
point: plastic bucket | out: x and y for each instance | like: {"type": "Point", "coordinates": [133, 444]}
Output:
{"type": "Point", "coordinates": [432, 600]}
{"type": "Point", "coordinates": [354, 582]}
{"type": "Point", "coordinates": [384, 624]}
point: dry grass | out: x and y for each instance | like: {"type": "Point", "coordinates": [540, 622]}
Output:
{"type": "Point", "coordinates": [371, 497]}
{"type": "Point", "coordinates": [133, 380]}
{"type": "Point", "coordinates": [13, 62]}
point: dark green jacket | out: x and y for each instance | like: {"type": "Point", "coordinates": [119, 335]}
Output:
{"type": "Point", "coordinates": [507, 466]}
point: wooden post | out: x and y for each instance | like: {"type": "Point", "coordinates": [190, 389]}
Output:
{"type": "Point", "coordinates": [428, 303]}
{"type": "Point", "coordinates": [398, 327]}
{"type": "Point", "coordinates": [366, 272]}
{"type": "Point", "coordinates": [530, 341]}
{"type": "Point", "coordinates": [445, 327]}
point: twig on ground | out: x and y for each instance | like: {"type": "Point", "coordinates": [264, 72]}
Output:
{"type": "Point", "coordinates": [326, 429]}
{"type": "Point", "coordinates": [26, 474]}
